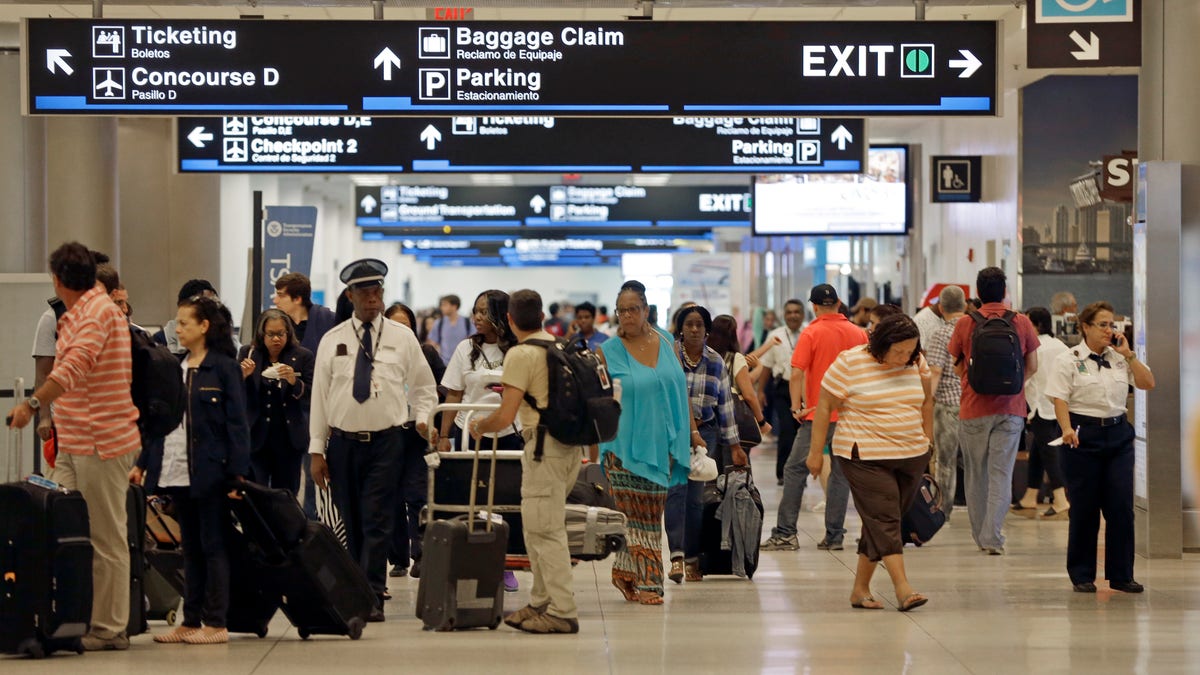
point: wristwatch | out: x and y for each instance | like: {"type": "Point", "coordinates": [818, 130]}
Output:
{"type": "Point", "coordinates": [33, 403]}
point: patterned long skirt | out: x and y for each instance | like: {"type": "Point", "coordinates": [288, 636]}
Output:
{"type": "Point", "coordinates": [643, 502]}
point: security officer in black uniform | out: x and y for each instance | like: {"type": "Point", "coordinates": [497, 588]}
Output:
{"type": "Point", "coordinates": [369, 374]}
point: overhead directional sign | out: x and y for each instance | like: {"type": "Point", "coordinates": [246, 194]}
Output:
{"type": "Point", "coordinates": [1084, 33]}
{"type": "Point", "coordinates": [649, 68]}
{"type": "Point", "coordinates": [548, 211]}
{"type": "Point", "coordinates": [522, 144]}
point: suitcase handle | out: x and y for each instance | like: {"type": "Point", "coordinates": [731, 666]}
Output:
{"type": "Point", "coordinates": [15, 438]}
{"type": "Point", "coordinates": [471, 409]}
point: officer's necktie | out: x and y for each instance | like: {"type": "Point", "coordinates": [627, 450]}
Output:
{"type": "Point", "coordinates": [1100, 360]}
{"type": "Point", "coordinates": [363, 366]}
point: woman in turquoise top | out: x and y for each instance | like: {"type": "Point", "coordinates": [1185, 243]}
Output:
{"type": "Point", "coordinates": [652, 449]}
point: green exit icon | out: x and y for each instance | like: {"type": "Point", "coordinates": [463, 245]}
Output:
{"type": "Point", "coordinates": [916, 60]}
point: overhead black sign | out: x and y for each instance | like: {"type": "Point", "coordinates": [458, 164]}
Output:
{"type": "Point", "coordinates": [956, 178]}
{"type": "Point", "coordinates": [511, 251]}
{"type": "Point", "coordinates": [1084, 33]}
{"type": "Point", "coordinates": [550, 211]}
{"type": "Point", "coordinates": [498, 144]}
{"type": "Point", "coordinates": [189, 67]}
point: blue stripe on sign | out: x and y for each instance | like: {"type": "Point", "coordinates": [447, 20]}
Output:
{"type": "Point", "coordinates": [376, 222]}
{"type": "Point", "coordinates": [215, 165]}
{"type": "Point", "coordinates": [443, 165]}
{"type": "Point", "coordinates": [405, 103]}
{"type": "Point", "coordinates": [948, 103]}
{"type": "Point", "coordinates": [546, 222]}
{"type": "Point", "coordinates": [705, 223]}
{"type": "Point", "coordinates": [80, 103]}
{"type": "Point", "coordinates": [833, 165]}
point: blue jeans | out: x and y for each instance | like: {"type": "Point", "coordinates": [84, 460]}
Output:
{"type": "Point", "coordinates": [684, 512]}
{"type": "Point", "coordinates": [989, 447]}
{"type": "Point", "coordinates": [795, 478]}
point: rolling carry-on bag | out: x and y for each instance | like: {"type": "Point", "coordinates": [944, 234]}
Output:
{"type": "Point", "coordinates": [592, 488]}
{"type": "Point", "coordinates": [462, 570]}
{"type": "Point", "coordinates": [318, 585]}
{"type": "Point", "coordinates": [45, 563]}
{"type": "Point", "coordinates": [164, 582]}
{"type": "Point", "coordinates": [450, 483]}
{"type": "Point", "coordinates": [135, 514]}
{"type": "Point", "coordinates": [713, 558]}
{"type": "Point", "coordinates": [593, 532]}
{"type": "Point", "coordinates": [925, 517]}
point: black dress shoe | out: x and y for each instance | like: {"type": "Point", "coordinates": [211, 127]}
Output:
{"type": "Point", "coordinates": [1085, 587]}
{"type": "Point", "coordinates": [376, 615]}
{"type": "Point", "coordinates": [415, 570]}
{"type": "Point", "coordinates": [1130, 586]}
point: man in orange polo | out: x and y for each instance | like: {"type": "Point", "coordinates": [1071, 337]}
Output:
{"type": "Point", "coordinates": [829, 334]}
{"type": "Point", "coordinates": [97, 430]}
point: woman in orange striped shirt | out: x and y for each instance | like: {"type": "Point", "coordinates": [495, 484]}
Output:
{"type": "Point", "coordinates": [884, 398]}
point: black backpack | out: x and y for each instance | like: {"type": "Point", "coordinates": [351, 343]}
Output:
{"type": "Point", "coordinates": [997, 365]}
{"type": "Point", "coordinates": [581, 408]}
{"type": "Point", "coordinates": [157, 388]}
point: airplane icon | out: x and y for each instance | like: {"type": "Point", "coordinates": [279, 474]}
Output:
{"type": "Point", "coordinates": [113, 84]}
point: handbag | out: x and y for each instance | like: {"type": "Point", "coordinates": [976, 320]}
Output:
{"type": "Point", "coordinates": [704, 468]}
{"type": "Point", "coordinates": [748, 430]}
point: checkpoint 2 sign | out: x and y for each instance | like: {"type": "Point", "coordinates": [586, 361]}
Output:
{"type": "Point", "coordinates": [521, 144]}
{"type": "Point", "coordinates": [664, 69]}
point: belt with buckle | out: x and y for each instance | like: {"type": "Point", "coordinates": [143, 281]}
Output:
{"type": "Point", "coordinates": [1090, 421]}
{"type": "Point", "coordinates": [365, 436]}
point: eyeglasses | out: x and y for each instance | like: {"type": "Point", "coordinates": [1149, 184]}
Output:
{"type": "Point", "coordinates": [626, 311]}
{"type": "Point", "coordinates": [1103, 324]}
{"type": "Point", "coordinates": [273, 335]}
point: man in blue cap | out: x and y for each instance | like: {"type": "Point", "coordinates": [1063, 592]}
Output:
{"type": "Point", "coordinates": [370, 373]}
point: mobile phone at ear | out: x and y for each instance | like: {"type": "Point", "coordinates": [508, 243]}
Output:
{"type": "Point", "coordinates": [1116, 339]}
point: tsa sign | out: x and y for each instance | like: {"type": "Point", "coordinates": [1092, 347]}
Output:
{"type": "Point", "coordinates": [1084, 11]}
{"type": "Point", "coordinates": [956, 179]}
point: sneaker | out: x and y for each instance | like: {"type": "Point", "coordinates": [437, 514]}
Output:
{"type": "Point", "coordinates": [208, 635]}
{"type": "Point", "coordinates": [826, 545]}
{"type": "Point", "coordinates": [819, 507]}
{"type": "Point", "coordinates": [95, 643]}
{"type": "Point", "coordinates": [398, 571]}
{"type": "Point", "coordinates": [524, 614]}
{"type": "Point", "coordinates": [510, 582]}
{"type": "Point", "coordinates": [778, 543]}
{"type": "Point", "coordinates": [994, 550]}
{"type": "Point", "coordinates": [546, 623]}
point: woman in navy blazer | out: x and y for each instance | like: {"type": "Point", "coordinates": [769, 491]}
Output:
{"type": "Point", "coordinates": [278, 378]}
{"type": "Point", "coordinates": [199, 462]}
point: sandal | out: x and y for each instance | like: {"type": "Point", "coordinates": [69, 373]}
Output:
{"type": "Point", "coordinates": [626, 588]}
{"type": "Point", "coordinates": [692, 571]}
{"type": "Point", "coordinates": [649, 598]}
{"type": "Point", "coordinates": [866, 602]}
{"type": "Point", "coordinates": [676, 574]}
{"type": "Point", "coordinates": [913, 601]}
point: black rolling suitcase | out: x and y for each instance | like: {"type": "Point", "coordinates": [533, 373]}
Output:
{"type": "Point", "coordinates": [925, 517]}
{"type": "Point", "coordinates": [45, 565]}
{"type": "Point", "coordinates": [164, 580]}
{"type": "Point", "coordinates": [135, 508]}
{"type": "Point", "coordinates": [714, 559]}
{"type": "Point", "coordinates": [316, 583]}
{"type": "Point", "coordinates": [462, 566]}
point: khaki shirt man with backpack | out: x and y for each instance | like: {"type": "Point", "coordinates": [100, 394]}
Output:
{"type": "Point", "coordinates": [991, 425]}
{"type": "Point", "coordinates": [545, 482]}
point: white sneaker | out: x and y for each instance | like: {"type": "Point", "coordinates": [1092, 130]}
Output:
{"type": "Point", "coordinates": [819, 507]}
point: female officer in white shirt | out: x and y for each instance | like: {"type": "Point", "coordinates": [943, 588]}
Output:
{"type": "Point", "coordinates": [1089, 385]}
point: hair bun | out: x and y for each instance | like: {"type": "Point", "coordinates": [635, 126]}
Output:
{"type": "Point", "coordinates": [633, 285]}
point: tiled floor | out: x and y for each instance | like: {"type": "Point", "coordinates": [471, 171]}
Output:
{"type": "Point", "coordinates": [987, 614]}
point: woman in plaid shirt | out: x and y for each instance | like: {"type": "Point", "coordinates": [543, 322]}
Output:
{"type": "Point", "coordinates": [712, 408]}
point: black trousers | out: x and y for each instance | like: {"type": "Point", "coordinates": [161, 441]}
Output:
{"type": "Point", "coordinates": [363, 479]}
{"type": "Point", "coordinates": [1044, 458]}
{"type": "Point", "coordinates": [781, 398]}
{"type": "Point", "coordinates": [1099, 479]}
{"type": "Point", "coordinates": [277, 463]}
{"type": "Point", "coordinates": [412, 478]}
{"type": "Point", "coordinates": [203, 526]}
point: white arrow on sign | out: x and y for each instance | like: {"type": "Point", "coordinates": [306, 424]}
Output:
{"type": "Point", "coordinates": [431, 136]}
{"type": "Point", "coordinates": [537, 203]}
{"type": "Point", "coordinates": [368, 203]}
{"type": "Point", "coordinates": [199, 136]}
{"type": "Point", "coordinates": [969, 63]}
{"type": "Point", "coordinates": [842, 136]}
{"type": "Point", "coordinates": [57, 57]}
{"type": "Point", "coordinates": [387, 58]}
{"type": "Point", "coordinates": [1088, 51]}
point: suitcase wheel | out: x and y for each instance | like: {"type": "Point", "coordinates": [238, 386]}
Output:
{"type": "Point", "coordinates": [35, 649]}
{"type": "Point", "coordinates": [354, 628]}
{"type": "Point", "coordinates": [261, 632]}
{"type": "Point", "coordinates": [170, 617]}
{"type": "Point", "coordinates": [495, 624]}
{"type": "Point", "coordinates": [304, 634]}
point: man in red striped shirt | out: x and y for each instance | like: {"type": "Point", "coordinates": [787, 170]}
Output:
{"type": "Point", "coordinates": [97, 429]}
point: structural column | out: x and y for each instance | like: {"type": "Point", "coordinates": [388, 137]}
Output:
{"type": "Point", "coordinates": [81, 183]}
